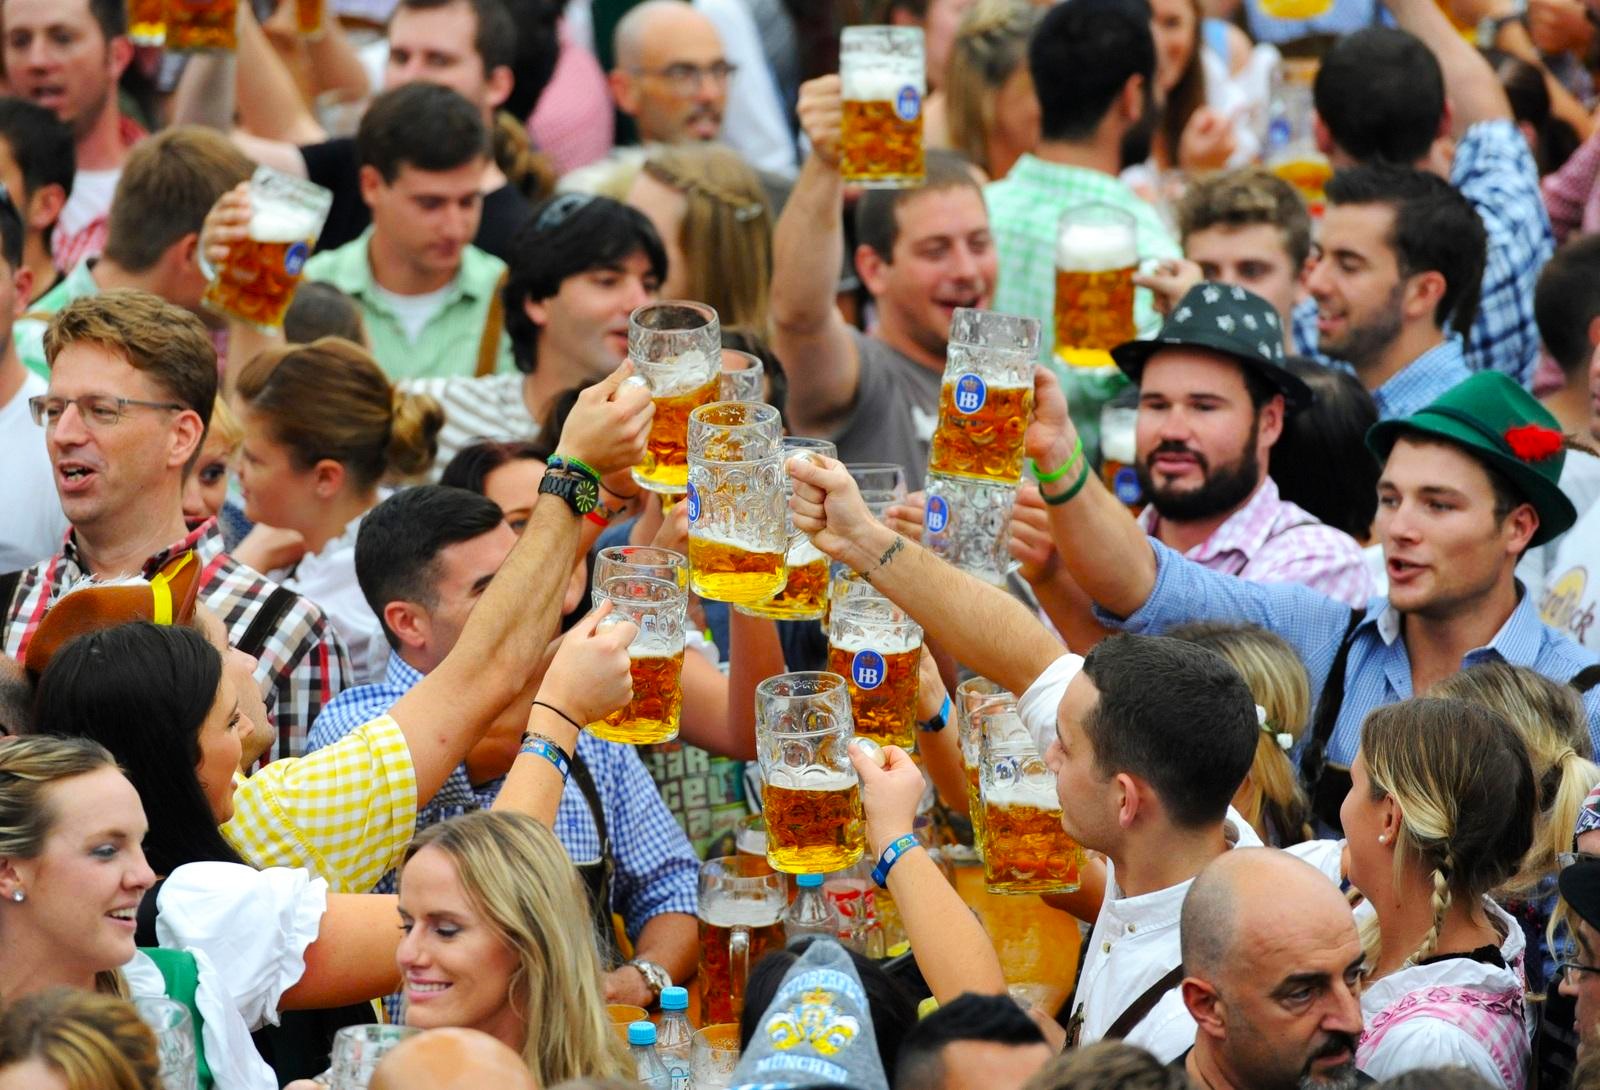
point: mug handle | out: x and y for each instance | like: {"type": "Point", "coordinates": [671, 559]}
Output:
{"type": "Point", "coordinates": [738, 965]}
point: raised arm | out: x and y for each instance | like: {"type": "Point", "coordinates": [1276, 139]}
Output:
{"type": "Point", "coordinates": [808, 332]}
{"type": "Point", "coordinates": [271, 107]}
{"type": "Point", "coordinates": [1470, 85]}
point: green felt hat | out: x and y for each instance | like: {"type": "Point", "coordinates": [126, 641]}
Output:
{"type": "Point", "coordinates": [1228, 319]}
{"type": "Point", "coordinates": [1502, 425]}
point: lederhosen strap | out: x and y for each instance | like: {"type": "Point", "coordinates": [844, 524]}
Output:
{"type": "Point", "coordinates": [1136, 1012]}
{"type": "Point", "coordinates": [596, 874]}
{"type": "Point", "coordinates": [1326, 784]}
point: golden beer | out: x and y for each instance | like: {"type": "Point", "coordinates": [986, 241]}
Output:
{"type": "Point", "coordinates": [721, 996]}
{"type": "Point", "coordinates": [257, 281]}
{"type": "Point", "coordinates": [883, 690]}
{"type": "Point", "coordinates": [308, 16]}
{"type": "Point", "coordinates": [1308, 173]}
{"type": "Point", "coordinates": [1094, 314]}
{"type": "Point", "coordinates": [147, 22]}
{"type": "Point", "coordinates": [652, 715]}
{"type": "Point", "coordinates": [1025, 849]}
{"type": "Point", "coordinates": [804, 596]}
{"type": "Point", "coordinates": [202, 24]}
{"type": "Point", "coordinates": [666, 457]}
{"type": "Point", "coordinates": [815, 830]}
{"type": "Point", "coordinates": [727, 572]}
{"type": "Point", "coordinates": [877, 144]}
{"type": "Point", "coordinates": [1122, 481]}
{"type": "Point", "coordinates": [1296, 9]}
{"type": "Point", "coordinates": [980, 429]}
{"type": "Point", "coordinates": [975, 806]}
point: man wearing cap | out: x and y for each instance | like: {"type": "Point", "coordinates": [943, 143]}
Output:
{"type": "Point", "coordinates": [1213, 398]}
{"type": "Point", "coordinates": [1468, 483]}
{"type": "Point", "coordinates": [1580, 975]}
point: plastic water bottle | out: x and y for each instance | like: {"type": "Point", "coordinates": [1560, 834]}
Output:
{"type": "Point", "coordinates": [812, 913]}
{"type": "Point", "coordinates": [675, 1036]}
{"type": "Point", "coordinates": [642, 1043]}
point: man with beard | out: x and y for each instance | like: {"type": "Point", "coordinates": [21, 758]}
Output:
{"type": "Point", "coordinates": [1399, 259]}
{"type": "Point", "coordinates": [1273, 963]}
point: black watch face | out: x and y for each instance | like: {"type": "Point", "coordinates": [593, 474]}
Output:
{"type": "Point", "coordinates": [585, 495]}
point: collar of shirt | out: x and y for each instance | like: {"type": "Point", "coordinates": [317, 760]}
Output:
{"type": "Point", "coordinates": [1416, 385]}
{"type": "Point", "coordinates": [1031, 172]}
{"type": "Point", "coordinates": [1457, 972]}
{"type": "Point", "coordinates": [1517, 642]}
{"type": "Point", "coordinates": [1243, 532]}
{"type": "Point", "coordinates": [194, 539]}
{"type": "Point", "coordinates": [401, 674]}
{"type": "Point", "coordinates": [349, 268]}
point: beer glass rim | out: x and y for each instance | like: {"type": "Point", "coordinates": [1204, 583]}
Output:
{"type": "Point", "coordinates": [877, 604]}
{"type": "Point", "coordinates": [751, 361]}
{"type": "Point", "coordinates": [172, 1014]}
{"type": "Point", "coordinates": [319, 198]}
{"type": "Point", "coordinates": [635, 556]}
{"type": "Point", "coordinates": [652, 590]}
{"type": "Point", "coordinates": [762, 414]}
{"type": "Point", "coordinates": [733, 866]}
{"type": "Point", "coordinates": [710, 1035]}
{"type": "Point", "coordinates": [793, 444]}
{"type": "Point", "coordinates": [880, 31]}
{"type": "Point", "coordinates": [825, 681]}
{"type": "Point", "coordinates": [969, 324]}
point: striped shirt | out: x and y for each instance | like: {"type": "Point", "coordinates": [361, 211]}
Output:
{"type": "Point", "coordinates": [490, 407]}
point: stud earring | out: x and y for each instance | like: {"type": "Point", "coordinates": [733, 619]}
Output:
{"type": "Point", "coordinates": [18, 896]}
{"type": "Point", "coordinates": [1382, 839]}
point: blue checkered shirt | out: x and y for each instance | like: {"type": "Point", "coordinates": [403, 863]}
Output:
{"type": "Point", "coordinates": [1495, 171]}
{"type": "Point", "coordinates": [1378, 671]}
{"type": "Point", "coordinates": [1422, 380]}
{"type": "Point", "coordinates": [656, 869]}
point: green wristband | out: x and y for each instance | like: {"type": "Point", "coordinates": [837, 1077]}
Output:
{"type": "Point", "coordinates": [1067, 467]}
{"type": "Point", "coordinates": [558, 460]}
{"type": "Point", "coordinates": [1077, 486]}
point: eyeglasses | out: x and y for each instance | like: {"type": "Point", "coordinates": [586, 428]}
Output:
{"type": "Point", "coordinates": [1569, 969]}
{"type": "Point", "coordinates": [97, 410]}
{"type": "Point", "coordinates": [560, 209]}
{"type": "Point", "coordinates": [1567, 859]}
{"type": "Point", "coordinates": [685, 78]}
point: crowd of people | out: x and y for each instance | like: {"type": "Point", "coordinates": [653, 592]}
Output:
{"type": "Point", "coordinates": [296, 640]}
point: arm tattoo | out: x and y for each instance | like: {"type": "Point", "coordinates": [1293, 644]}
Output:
{"type": "Point", "coordinates": [888, 555]}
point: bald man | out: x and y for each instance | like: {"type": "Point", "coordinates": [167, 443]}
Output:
{"type": "Point", "coordinates": [672, 73]}
{"type": "Point", "coordinates": [1274, 976]}
{"type": "Point", "coordinates": [452, 1059]}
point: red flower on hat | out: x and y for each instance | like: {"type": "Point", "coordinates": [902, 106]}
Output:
{"type": "Point", "coordinates": [1533, 443]}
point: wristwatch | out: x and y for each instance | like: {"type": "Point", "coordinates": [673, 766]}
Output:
{"type": "Point", "coordinates": [578, 490]}
{"type": "Point", "coordinates": [654, 975]}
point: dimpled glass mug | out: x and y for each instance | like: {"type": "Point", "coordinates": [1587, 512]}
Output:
{"type": "Point", "coordinates": [738, 514]}
{"type": "Point", "coordinates": [810, 796]}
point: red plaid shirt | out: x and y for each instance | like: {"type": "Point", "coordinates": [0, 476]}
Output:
{"type": "Point", "coordinates": [302, 665]}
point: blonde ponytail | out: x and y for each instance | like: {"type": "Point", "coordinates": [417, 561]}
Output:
{"type": "Point", "coordinates": [529, 172]}
{"type": "Point", "coordinates": [413, 434]}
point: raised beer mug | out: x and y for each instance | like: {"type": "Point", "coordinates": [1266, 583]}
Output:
{"type": "Point", "coordinates": [882, 484]}
{"type": "Point", "coordinates": [967, 523]}
{"type": "Point", "coordinates": [1025, 849]}
{"type": "Point", "coordinates": [804, 596]}
{"type": "Point", "coordinates": [655, 658]}
{"type": "Point", "coordinates": [743, 378]}
{"type": "Point", "coordinates": [740, 910]}
{"type": "Point", "coordinates": [147, 22]}
{"type": "Point", "coordinates": [676, 349]}
{"type": "Point", "coordinates": [1119, 448]}
{"type": "Point", "coordinates": [202, 24]}
{"type": "Point", "coordinates": [882, 79]}
{"type": "Point", "coordinates": [877, 648]}
{"type": "Point", "coordinates": [258, 280]}
{"type": "Point", "coordinates": [738, 514]}
{"type": "Point", "coordinates": [1097, 253]}
{"type": "Point", "coordinates": [971, 695]}
{"type": "Point", "coordinates": [650, 561]}
{"type": "Point", "coordinates": [986, 397]}
{"type": "Point", "coordinates": [309, 16]}
{"type": "Point", "coordinates": [810, 795]}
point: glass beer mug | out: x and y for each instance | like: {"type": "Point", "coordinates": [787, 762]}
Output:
{"type": "Point", "coordinates": [1290, 149]}
{"type": "Point", "coordinates": [742, 377]}
{"type": "Point", "coordinates": [740, 911]}
{"type": "Point", "coordinates": [804, 596]}
{"type": "Point", "coordinates": [968, 524]}
{"type": "Point", "coordinates": [1097, 254]}
{"type": "Point", "coordinates": [877, 648]}
{"type": "Point", "coordinates": [972, 695]}
{"type": "Point", "coordinates": [258, 280]}
{"type": "Point", "coordinates": [1025, 849]}
{"type": "Point", "coordinates": [147, 22]}
{"type": "Point", "coordinates": [649, 561]}
{"type": "Point", "coordinates": [882, 485]}
{"type": "Point", "coordinates": [987, 396]}
{"type": "Point", "coordinates": [309, 16]}
{"type": "Point", "coordinates": [655, 657]}
{"type": "Point", "coordinates": [1119, 442]}
{"type": "Point", "coordinates": [676, 349]}
{"type": "Point", "coordinates": [882, 80]}
{"type": "Point", "coordinates": [738, 517]}
{"type": "Point", "coordinates": [810, 795]}
{"type": "Point", "coordinates": [202, 24]}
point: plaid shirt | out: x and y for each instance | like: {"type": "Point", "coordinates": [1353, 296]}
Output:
{"type": "Point", "coordinates": [1378, 671]}
{"type": "Point", "coordinates": [1570, 195]}
{"type": "Point", "coordinates": [344, 813]}
{"type": "Point", "coordinates": [656, 868]}
{"type": "Point", "coordinates": [1270, 540]}
{"type": "Point", "coordinates": [1494, 170]}
{"type": "Point", "coordinates": [1024, 211]}
{"type": "Point", "coordinates": [303, 660]}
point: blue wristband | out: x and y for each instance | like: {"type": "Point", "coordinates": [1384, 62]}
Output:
{"type": "Point", "coordinates": [541, 746]}
{"type": "Point", "coordinates": [939, 721]}
{"type": "Point", "coordinates": [880, 873]}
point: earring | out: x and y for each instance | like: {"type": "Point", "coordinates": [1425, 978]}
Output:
{"type": "Point", "coordinates": [18, 896]}
{"type": "Point", "coordinates": [1382, 839]}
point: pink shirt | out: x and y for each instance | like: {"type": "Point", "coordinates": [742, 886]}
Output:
{"type": "Point", "coordinates": [573, 121]}
{"type": "Point", "coordinates": [1270, 540]}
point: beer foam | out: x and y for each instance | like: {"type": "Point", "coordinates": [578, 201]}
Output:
{"type": "Point", "coordinates": [740, 911]}
{"type": "Point", "coordinates": [853, 642]}
{"type": "Point", "coordinates": [734, 542]}
{"type": "Point", "coordinates": [655, 646]}
{"type": "Point", "coordinates": [283, 223]}
{"type": "Point", "coordinates": [1096, 247]}
{"type": "Point", "coordinates": [875, 84]}
{"type": "Point", "coordinates": [1037, 793]}
{"type": "Point", "coordinates": [1118, 445]}
{"type": "Point", "coordinates": [684, 373]}
{"type": "Point", "coordinates": [810, 778]}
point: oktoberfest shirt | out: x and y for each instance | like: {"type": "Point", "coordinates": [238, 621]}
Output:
{"type": "Point", "coordinates": [1378, 671]}
{"type": "Point", "coordinates": [656, 869]}
{"type": "Point", "coordinates": [302, 664]}
{"type": "Point", "coordinates": [1419, 383]}
{"type": "Point", "coordinates": [1494, 170]}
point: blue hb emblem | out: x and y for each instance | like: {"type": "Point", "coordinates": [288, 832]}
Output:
{"type": "Point", "coordinates": [908, 103]}
{"type": "Point", "coordinates": [937, 515]}
{"type": "Point", "coordinates": [694, 504]}
{"type": "Point", "coordinates": [866, 669]}
{"type": "Point", "coordinates": [1126, 486]}
{"type": "Point", "coordinates": [971, 393]}
{"type": "Point", "coordinates": [295, 259]}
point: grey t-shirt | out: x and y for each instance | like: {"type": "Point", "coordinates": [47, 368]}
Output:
{"type": "Point", "coordinates": [896, 410]}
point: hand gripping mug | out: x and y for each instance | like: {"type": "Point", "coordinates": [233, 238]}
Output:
{"type": "Point", "coordinates": [676, 349]}
{"type": "Point", "coordinates": [258, 280]}
{"type": "Point", "coordinates": [655, 658]}
{"type": "Point", "coordinates": [738, 515]}
{"type": "Point", "coordinates": [877, 648]}
{"type": "Point", "coordinates": [1025, 849]}
{"type": "Point", "coordinates": [810, 796]}
{"type": "Point", "coordinates": [740, 912]}
{"type": "Point", "coordinates": [804, 596]}
{"type": "Point", "coordinates": [987, 396]}
{"type": "Point", "coordinates": [882, 78]}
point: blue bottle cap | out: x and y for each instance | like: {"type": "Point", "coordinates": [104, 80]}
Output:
{"type": "Point", "coordinates": [674, 998]}
{"type": "Point", "coordinates": [808, 881]}
{"type": "Point", "coordinates": [641, 1033]}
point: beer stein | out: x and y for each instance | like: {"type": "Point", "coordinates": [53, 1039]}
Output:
{"type": "Point", "coordinates": [1119, 428]}
{"type": "Point", "coordinates": [655, 658]}
{"type": "Point", "coordinates": [1290, 150]}
{"type": "Point", "coordinates": [202, 24]}
{"type": "Point", "coordinates": [738, 516]}
{"type": "Point", "coordinates": [804, 596]}
{"type": "Point", "coordinates": [971, 695]}
{"type": "Point", "coordinates": [258, 280]}
{"type": "Point", "coordinates": [147, 22]}
{"type": "Point", "coordinates": [882, 484]}
{"type": "Point", "coordinates": [967, 523]}
{"type": "Point", "coordinates": [676, 349]}
{"type": "Point", "coordinates": [810, 795]}
{"type": "Point", "coordinates": [740, 911]}
{"type": "Point", "coordinates": [357, 1051]}
{"type": "Point", "coordinates": [1097, 253]}
{"type": "Point", "coordinates": [309, 16]}
{"type": "Point", "coordinates": [1025, 849]}
{"type": "Point", "coordinates": [987, 396]}
{"type": "Point", "coordinates": [877, 648]}
{"type": "Point", "coordinates": [649, 561]}
{"type": "Point", "coordinates": [882, 80]}
{"type": "Point", "coordinates": [173, 1029]}
{"type": "Point", "coordinates": [742, 377]}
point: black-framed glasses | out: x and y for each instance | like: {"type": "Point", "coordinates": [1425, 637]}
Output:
{"type": "Point", "coordinates": [685, 79]}
{"type": "Point", "coordinates": [1569, 970]}
{"type": "Point", "coordinates": [97, 410]}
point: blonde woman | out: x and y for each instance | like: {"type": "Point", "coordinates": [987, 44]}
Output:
{"type": "Point", "coordinates": [1553, 725]}
{"type": "Point", "coordinates": [1270, 798]}
{"type": "Point", "coordinates": [323, 428]}
{"type": "Point", "coordinates": [711, 211]}
{"type": "Point", "coordinates": [497, 937]}
{"type": "Point", "coordinates": [77, 1040]}
{"type": "Point", "coordinates": [990, 112]}
{"type": "Point", "coordinates": [207, 487]}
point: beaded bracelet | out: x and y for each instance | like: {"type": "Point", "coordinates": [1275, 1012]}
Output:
{"type": "Point", "coordinates": [541, 746]}
{"type": "Point", "coordinates": [1066, 467]}
{"type": "Point", "coordinates": [901, 845]}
